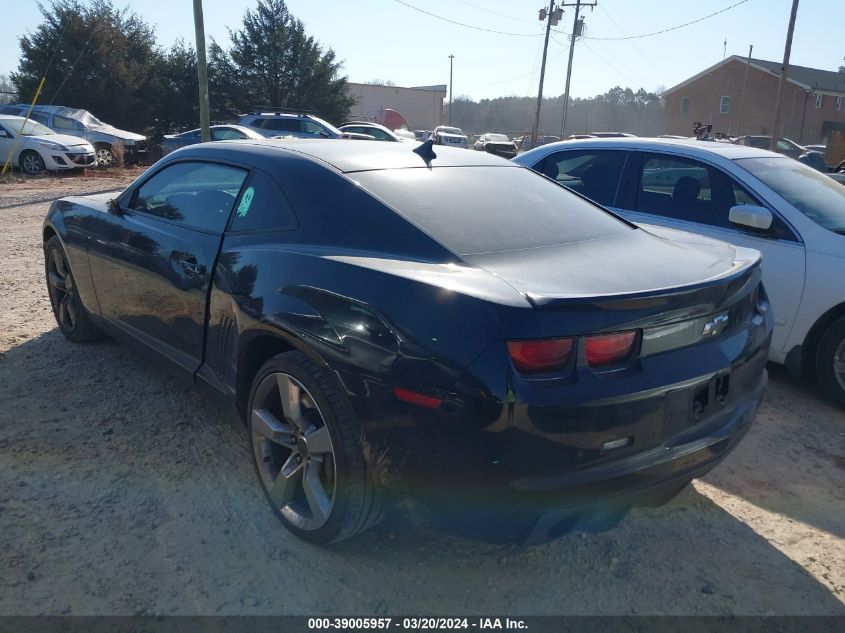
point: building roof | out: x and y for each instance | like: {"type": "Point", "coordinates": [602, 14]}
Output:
{"type": "Point", "coordinates": [807, 78]}
{"type": "Point", "coordinates": [437, 88]}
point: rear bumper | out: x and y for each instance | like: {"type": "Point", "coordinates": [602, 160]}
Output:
{"type": "Point", "coordinates": [498, 471]}
{"type": "Point", "coordinates": [597, 498]}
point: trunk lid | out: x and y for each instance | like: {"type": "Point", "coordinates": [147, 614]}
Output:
{"type": "Point", "coordinates": [634, 279]}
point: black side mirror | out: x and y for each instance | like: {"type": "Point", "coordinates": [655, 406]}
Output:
{"type": "Point", "coordinates": [114, 207]}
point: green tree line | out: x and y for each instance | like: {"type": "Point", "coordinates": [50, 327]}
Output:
{"type": "Point", "coordinates": [618, 110]}
{"type": "Point", "coordinates": [107, 60]}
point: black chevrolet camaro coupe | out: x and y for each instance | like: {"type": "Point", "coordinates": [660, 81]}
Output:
{"type": "Point", "coordinates": [424, 324]}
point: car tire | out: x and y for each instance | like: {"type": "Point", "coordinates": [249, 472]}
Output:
{"type": "Point", "coordinates": [104, 154]}
{"type": "Point", "coordinates": [31, 162]}
{"type": "Point", "coordinates": [308, 452]}
{"type": "Point", "coordinates": [830, 360]}
{"type": "Point", "coordinates": [71, 316]}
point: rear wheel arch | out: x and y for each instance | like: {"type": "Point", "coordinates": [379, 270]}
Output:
{"type": "Point", "coordinates": [47, 233]}
{"type": "Point", "coordinates": [811, 341]}
{"type": "Point", "coordinates": [256, 350]}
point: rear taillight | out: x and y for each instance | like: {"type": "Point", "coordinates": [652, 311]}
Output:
{"type": "Point", "coordinates": [540, 357]}
{"type": "Point", "coordinates": [609, 349]}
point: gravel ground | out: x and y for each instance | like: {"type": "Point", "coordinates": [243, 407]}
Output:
{"type": "Point", "coordinates": [123, 491]}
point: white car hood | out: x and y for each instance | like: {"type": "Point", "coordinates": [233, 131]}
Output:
{"type": "Point", "coordinates": [455, 136]}
{"type": "Point", "coordinates": [63, 139]}
{"type": "Point", "coordinates": [122, 134]}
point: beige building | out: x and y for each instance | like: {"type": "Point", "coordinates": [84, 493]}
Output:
{"type": "Point", "coordinates": [421, 106]}
{"type": "Point", "coordinates": [812, 100]}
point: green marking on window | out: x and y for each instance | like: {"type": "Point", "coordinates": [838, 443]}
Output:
{"type": "Point", "coordinates": [246, 201]}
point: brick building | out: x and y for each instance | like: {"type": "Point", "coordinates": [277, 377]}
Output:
{"type": "Point", "coordinates": [812, 102]}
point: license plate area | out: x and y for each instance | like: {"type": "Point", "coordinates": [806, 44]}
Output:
{"type": "Point", "coordinates": [688, 407]}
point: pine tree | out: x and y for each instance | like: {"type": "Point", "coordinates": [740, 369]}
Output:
{"type": "Point", "coordinates": [273, 61]}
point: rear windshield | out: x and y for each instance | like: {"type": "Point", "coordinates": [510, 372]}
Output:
{"type": "Point", "coordinates": [473, 210]}
{"type": "Point", "coordinates": [813, 193]}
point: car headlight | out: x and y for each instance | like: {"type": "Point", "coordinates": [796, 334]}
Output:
{"type": "Point", "coordinates": [56, 147]}
{"type": "Point", "coordinates": [128, 143]}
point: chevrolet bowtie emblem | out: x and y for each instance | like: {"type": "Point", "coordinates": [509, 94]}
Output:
{"type": "Point", "coordinates": [716, 325]}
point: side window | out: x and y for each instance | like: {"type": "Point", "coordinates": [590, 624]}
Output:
{"type": "Point", "coordinates": [592, 173]}
{"type": "Point", "coordinates": [674, 187]}
{"type": "Point", "coordinates": [282, 125]}
{"type": "Point", "coordinates": [225, 134]}
{"type": "Point", "coordinates": [64, 123]}
{"type": "Point", "coordinates": [262, 206]}
{"type": "Point", "coordinates": [40, 117]}
{"type": "Point", "coordinates": [741, 196]}
{"type": "Point", "coordinates": [309, 127]}
{"type": "Point", "coordinates": [685, 189]}
{"type": "Point", "coordinates": [197, 195]}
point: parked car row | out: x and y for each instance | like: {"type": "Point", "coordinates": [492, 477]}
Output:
{"type": "Point", "coordinates": [82, 124]}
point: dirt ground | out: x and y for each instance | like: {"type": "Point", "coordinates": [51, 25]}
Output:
{"type": "Point", "coordinates": [123, 492]}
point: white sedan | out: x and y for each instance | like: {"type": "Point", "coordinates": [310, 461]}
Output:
{"type": "Point", "coordinates": [790, 212]}
{"type": "Point", "coordinates": [451, 136]}
{"type": "Point", "coordinates": [34, 147]}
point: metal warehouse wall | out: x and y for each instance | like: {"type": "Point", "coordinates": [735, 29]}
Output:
{"type": "Point", "coordinates": [423, 108]}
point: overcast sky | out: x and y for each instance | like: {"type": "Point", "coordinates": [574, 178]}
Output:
{"type": "Point", "coordinates": [385, 39]}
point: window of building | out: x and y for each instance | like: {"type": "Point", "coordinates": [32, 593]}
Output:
{"type": "Point", "coordinates": [837, 103]}
{"type": "Point", "coordinates": [725, 104]}
{"type": "Point", "coordinates": [685, 105]}
{"type": "Point", "coordinates": [819, 100]}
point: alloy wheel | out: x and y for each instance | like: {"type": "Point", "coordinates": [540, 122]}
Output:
{"type": "Point", "coordinates": [62, 291]}
{"type": "Point", "coordinates": [32, 163]}
{"type": "Point", "coordinates": [104, 157]}
{"type": "Point", "coordinates": [293, 451]}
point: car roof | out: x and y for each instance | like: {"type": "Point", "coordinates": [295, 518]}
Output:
{"type": "Point", "coordinates": [345, 155]}
{"type": "Point", "coordinates": [690, 147]}
{"type": "Point", "coordinates": [242, 128]}
{"type": "Point", "coordinates": [71, 113]}
{"type": "Point", "coordinates": [364, 124]}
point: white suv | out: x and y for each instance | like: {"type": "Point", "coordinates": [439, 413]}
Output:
{"type": "Point", "coordinates": [450, 136]}
{"type": "Point", "coordinates": [288, 124]}
{"type": "Point", "coordinates": [790, 212]}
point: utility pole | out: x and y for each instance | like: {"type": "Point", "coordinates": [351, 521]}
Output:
{"type": "Point", "coordinates": [576, 31]}
{"type": "Point", "coordinates": [542, 72]}
{"type": "Point", "coordinates": [202, 71]}
{"type": "Point", "coordinates": [742, 94]}
{"type": "Point", "coordinates": [784, 70]}
{"type": "Point", "coordinates": [451, 59]}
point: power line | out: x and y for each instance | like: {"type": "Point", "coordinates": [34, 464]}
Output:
{"type": "Point", "coordinates": [671, 28]}
{"type": "Point", "coordinates": [56, 50]}
{"type": "Point", "coordinates": [78, 57]}
{"type": "Point", "coordinates": [501, 15]}
{"type": "Point", "coordinates": [467, 26]}
{"type": "Point", "coordinates": [633, 43]}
